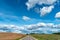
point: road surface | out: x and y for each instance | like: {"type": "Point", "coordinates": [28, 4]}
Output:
{"type": "Point", "coordinates": [28, 38]}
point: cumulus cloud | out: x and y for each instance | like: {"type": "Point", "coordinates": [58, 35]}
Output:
{"type": "Point", "coordinates": [40, 27]}
{"type": "Point", "coordinates": [46, 10]}
{"type": "Point", "coordinates": [10, 28]}
{"type": "Point", "coordinates": [43, 28]}
{"type": "Point", "coordinates": [48, 2]}
{"type": "Point", "coordinates": [32, 3]}
{"type": "Point", "coordinates": [26, 18]}
{"type": "Point", "coordinates": [57, 15]}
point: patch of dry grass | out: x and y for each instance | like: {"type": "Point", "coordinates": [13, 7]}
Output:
{"type": "Point", "coordinates": [10, 36]}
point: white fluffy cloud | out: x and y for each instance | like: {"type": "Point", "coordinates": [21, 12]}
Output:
{"type": "Point", "coordinates": [10, 28]}
{"type": "Point", "coordinates": [39, 27]}
{"type": "Point", "coordinates": [48, 2]}
{"type": "Point", "coordinates": [57, 15]}
{"type": "Point", "coordinates": [32, 3]}
{"type": "Point", "coordinates": [25, 18]}
{"type": "Point", "coordinates": [46, 10]}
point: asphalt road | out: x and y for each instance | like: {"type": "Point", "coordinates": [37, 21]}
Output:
{"type": "Point", "coordinates": [28, 38]}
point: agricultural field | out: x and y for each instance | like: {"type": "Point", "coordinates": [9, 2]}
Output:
{"type": "Point", "coordinates": [46, 36]}
{"type": "Point", "coordinates": [11, 36]}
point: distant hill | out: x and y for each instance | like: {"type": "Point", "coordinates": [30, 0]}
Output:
{"type": "Point", "coordinates": [10, 36]}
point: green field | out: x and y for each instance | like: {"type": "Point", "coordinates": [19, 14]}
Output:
{"type": "Point", "coordinates": [46, 36]}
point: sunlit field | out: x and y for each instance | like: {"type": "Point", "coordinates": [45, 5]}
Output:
{"type": "Point", "coordinates": [11, 36]}
{"type": "Point", "coordinates": [46, 36]}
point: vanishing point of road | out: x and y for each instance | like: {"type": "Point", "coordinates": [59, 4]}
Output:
{"type": "Point", "coordinates": [28, 38]}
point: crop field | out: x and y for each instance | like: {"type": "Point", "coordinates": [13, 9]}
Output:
{"type": "Point", "coordinates": [10, 36]}
{"type": "Point", "coordinates": [46, 36]}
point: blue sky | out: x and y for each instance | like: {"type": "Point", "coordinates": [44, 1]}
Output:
{"type": "Point", "coordinates": [25, 14]}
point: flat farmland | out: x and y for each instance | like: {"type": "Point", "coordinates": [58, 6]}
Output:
{"type": "Point", "coordinates": [11, 36]}
{"type": "Point", "coordinates": [46, 36]}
